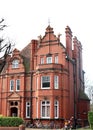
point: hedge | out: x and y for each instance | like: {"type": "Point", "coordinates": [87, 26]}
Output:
{"type": "Point", "coordinates": [10, 121]}
{"type": "Point", "coordinates": [90, 119]}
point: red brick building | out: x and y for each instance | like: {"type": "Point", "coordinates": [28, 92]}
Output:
{"type": "Point", "coordinates": [45, 81]}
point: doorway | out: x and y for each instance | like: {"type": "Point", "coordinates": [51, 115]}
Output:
{"type": "Point", "coordinates": [14, 111]}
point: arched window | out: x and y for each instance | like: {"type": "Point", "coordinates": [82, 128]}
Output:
{"type": "Point", "coordinates": [56, 108]}
{"type": "Point", "coordinates": [27, 109]}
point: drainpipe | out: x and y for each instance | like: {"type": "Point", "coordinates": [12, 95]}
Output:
{"type": "Point", "coordinates": [75, 90]}
{"type": "Point", "coordinates": [31, 78]}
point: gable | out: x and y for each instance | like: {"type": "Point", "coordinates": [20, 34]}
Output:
{"type": "Point", "coordinates": [49, 36]}
{"type": "Point", "coordinates": [14, 96]}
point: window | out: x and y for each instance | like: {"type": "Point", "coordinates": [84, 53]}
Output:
{"type": "Point", "coordinates": [15, 64]}
{"type": "Point", "coordinates": [11, 85]}
{"type": "Point", "coordinates": [45, 82]}
{"type": "Point", "coordinates": [37, 82]}
{"type": "Point", "coordinates": [45, 109]}
{"type": "Point", "coordinates": [49, 60]}
{"type": "Point", "coordinates": [37, 109]}
{"type": "Point", "coordinates": [17, 84]}
{"type": "Point", "coordinates": [27, 109]}
{"type": "Point", "coordinates": [56, 107]}
{"type": "Point", "coordinates": [56, 84]}
{"type": "Point", "coordinates": [56, 59]}
{"type": "Point", "coordinates": [42, 60]}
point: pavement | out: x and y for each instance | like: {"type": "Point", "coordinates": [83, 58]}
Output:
{"type": "Point", "coordinates": [40, 129]}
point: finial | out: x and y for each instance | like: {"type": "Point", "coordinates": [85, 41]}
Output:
{"type": "Point", "coordinates": [49, 21]}
{"type": "Point", "coordinates": [59, 34]}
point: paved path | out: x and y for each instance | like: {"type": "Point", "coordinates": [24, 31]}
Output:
{"type": "Point", "coordinates": [40, 129]}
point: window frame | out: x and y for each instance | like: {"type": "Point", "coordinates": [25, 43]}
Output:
{"type": "Point", "coordinates": [41, 60]}
{"type": "Point", "coordinates": [56, 81]}
{"type": "Point", "coordinates": [49, 59]}
{"type": "Point", "coordinates": [37, 81]}
{"type": "Point", "coordinates": [56, 59]}
{"type": "Point", "coordinates": [37, 108]}
{"type": "Point", "coordinates": [56, 109]}
{"type": "Point", "coordinates": [45, 109]}
{"type": "Point", "coordinates": [28, 109]}
{"type": "Point", "coordinates": [17, 85]}
{"type": "Point", "coordinates": [43, 82]}
{"type": "Point", "coordinates": [11, 85]}
{"type": "Point", "coordinates": [15, 63]}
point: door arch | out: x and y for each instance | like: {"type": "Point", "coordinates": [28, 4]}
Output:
{"type": "Point", "coordinates": [14, 111]}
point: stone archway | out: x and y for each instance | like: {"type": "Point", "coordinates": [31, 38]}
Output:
{"type": "Point", "coordinates": [13, 105]}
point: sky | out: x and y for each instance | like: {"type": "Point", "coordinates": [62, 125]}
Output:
{"type": "Point", "coordinates": [27, 19]}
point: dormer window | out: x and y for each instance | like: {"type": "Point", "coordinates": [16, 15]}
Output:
{"type": "Point", "coordinates": [15, 64]}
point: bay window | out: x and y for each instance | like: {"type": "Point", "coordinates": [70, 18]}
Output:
{"type": "Point", "coordinates": [45, 109]}
{"type": "Point", "coordinates": [56, 82]}
{"type": "Point", "coordinates": [45, 82]}
{"type": "Point", "coordinates": [56, 59]}
{"type": "Point", "coordinates": [49, 60]}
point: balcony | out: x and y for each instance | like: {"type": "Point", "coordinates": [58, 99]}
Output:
{"type": "Point", "coordinates": [51, 66]}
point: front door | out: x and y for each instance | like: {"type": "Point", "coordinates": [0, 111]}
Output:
{"type": "Point", "coordinates": [14, 111]}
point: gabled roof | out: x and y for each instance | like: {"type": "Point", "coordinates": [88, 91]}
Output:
{"type": "Point", "coordinates": [26, 62]}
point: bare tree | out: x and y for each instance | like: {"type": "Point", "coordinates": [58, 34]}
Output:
{"type": "Point", "coordinates": [89, 89]}
{"type": "Point", "coordinates": [5, 47]}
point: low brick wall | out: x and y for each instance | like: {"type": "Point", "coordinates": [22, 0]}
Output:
{"type": "Point", "coordinates": [9, 128]}
{"type": "Point", "coordinates": [21, 127]}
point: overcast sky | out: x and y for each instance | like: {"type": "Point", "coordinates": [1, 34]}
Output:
{"type": "Point", "coordinates": [27, 19]}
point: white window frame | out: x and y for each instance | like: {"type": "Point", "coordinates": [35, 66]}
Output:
{"type": "Point", "coordinates": [42, 60]}
{"type": "Point", "coordinates": [27, 109]}
{"type": "Point", "coordinates": [17, 84]}
{"type": "Point", "coordinates": [11, 85]}
{"type": "Point", "coordinates": [49, 60]}
{"type": "Point", "coordinates": [15, 63]}
{"type": "Point", "coordinates": [47, 80]}
{"type": "Point", "coordinates": [45, 109]}
{"type": "Point", "coordinates": [56, 59]}
{"type": "Point", "coordinates": [37, 108]}
{"type": "Point", "coordinates": [56, 109]}
{"type": "Point", "coordinates": [56, 81]}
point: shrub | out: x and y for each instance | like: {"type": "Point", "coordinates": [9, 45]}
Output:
{"type": "Point", "coordinates": [10, 121]}
{"type": "Point", "coordinates": [90, 119]}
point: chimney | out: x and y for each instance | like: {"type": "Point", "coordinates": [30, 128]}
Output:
{"type": "Point", "coordinates": [75, 49]}
{"type": "Point", "coordinates": [34, 44]}
{"type": "Point", "coordinates": [68, 33]}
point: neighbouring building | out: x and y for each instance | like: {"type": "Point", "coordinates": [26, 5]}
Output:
{"type": "Point", "coordinates": [45, 81]}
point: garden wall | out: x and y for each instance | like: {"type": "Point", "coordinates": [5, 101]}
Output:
{"type": "Point", "coordinates": [21, 127]}
{"type": "Point", "coordinates": [9, 128]}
